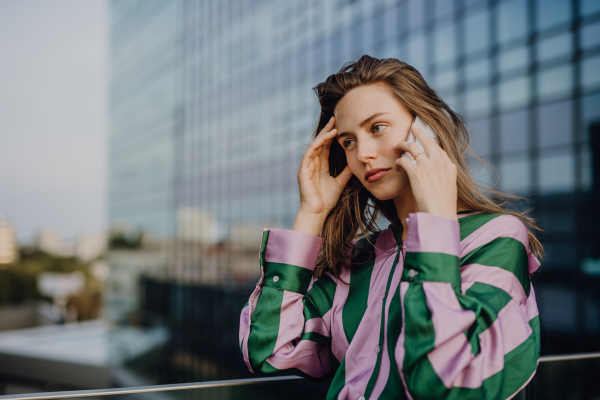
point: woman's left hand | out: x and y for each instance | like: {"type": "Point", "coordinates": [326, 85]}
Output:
{"type": "Point", "coordinates": [432, 178]}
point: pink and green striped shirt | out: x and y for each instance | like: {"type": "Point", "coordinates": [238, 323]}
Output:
{"type": "Point", "coordinates": [448, 314]}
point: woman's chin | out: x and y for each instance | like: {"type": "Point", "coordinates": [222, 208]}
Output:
{"type": "Point", "coordinates": [384, 194]}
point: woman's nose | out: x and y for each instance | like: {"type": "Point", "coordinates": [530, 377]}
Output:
{"type": "Point", "coordinates": [366, 151]}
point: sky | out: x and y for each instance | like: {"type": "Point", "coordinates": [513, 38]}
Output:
{"type": "Point", "coordinates": [53, 115]}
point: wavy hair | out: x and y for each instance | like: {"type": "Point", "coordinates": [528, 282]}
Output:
{"type": "Point", "coordinates": [357, 211]}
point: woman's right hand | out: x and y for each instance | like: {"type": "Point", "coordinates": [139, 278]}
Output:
{"type": "Point", "coordinates": [319, 191]}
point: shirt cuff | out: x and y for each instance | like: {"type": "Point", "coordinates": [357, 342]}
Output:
{"type": "Point", "coordinates": [289, 259]}
{"type": "Point", "coordinates": [432, 249]}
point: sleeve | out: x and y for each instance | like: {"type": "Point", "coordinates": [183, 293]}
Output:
{"type": "Point", "coordinates": [471, 327]}
{"type": "Point", "coordinates": [284, 325]}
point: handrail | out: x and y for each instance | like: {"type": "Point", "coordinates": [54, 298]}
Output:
{"type": "Point", "coordinates": [147, 389]}
{"type": "Point", "coordinates": [212, 384]}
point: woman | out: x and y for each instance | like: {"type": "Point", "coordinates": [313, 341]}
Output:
{"type": "Point", "coordinates": [439, 304]}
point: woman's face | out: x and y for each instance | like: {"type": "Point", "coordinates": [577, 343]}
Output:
{"type": "Point", "coordinates": [370, 122]}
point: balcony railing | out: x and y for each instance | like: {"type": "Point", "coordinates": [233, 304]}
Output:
{"type": "Point", "coordinates": [558, 377]}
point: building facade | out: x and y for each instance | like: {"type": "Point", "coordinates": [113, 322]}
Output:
{"type": "Point", "coordinates": [212, 110]}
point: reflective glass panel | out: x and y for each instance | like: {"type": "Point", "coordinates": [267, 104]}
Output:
{"type": "Point", "coordinates": [443, 8]}
{"type": "Point", "coordinates": [554, 47]}
{"type": "Point", "coordinates": [514, 175]}
{"type": "Point", "coordinates": [587, 7]}
{"type": "Point", "coordinates": [416, 52]}
{"type": "Point", "coordinates": [514, 131]}
{"type": "Point", "coordinates": [513, 59]}
{"type": "Point", "coordinates": [477, 31]}
{"type": "Point", "coordinates": [445, 44]}
{"type": "Point", "coordinates": [556, 172]}
{"type": "Point", "coordinates": [555, 83]}
{"type": "Point", "coordinates": [591, 113]}
{"type": "Point", "coordinates": [447, 79]}
{"type": "Point", "coordinates": [514, 93]}
{"type": "Point", "coordinates": [480, 136]}
{"type": "Point", "coordinates": [590, 35]}
{"type": "Point", "coordinates": [555, 123]}
{"type": "Point", "coordinates": [512, 20]}
{"type": "Point", "coordinates": [416, 13]}
{"type": "Point", "coordinates": [478, 101]}
{"type": "Point", "coordinates": [478, 70]}
{"type": "Point", "coordinates": [590, 72]}
{"type": "Point", "coordinates": [550, 13]}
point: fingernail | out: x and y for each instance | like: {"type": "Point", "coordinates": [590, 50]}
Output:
{"type": "Point", "coordinates": [330, 119]}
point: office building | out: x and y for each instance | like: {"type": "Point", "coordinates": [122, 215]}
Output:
{"type": "Point", "coordinates": [212, 109]}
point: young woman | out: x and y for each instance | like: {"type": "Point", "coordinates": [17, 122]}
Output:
{"type": "Point", "coordinates": [437, 306]}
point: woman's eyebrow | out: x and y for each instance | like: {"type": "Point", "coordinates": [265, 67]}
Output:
{"type": "Point", "coordinates": [365, 122]}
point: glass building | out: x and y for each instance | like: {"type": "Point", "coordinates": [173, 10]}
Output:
{"type": "Point", "coordinates": [212, 109]}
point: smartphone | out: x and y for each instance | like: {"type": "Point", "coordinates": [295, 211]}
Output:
{"type": "Point", "coordinates": [412, 139]}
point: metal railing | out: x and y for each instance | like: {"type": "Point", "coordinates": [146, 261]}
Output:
{"type": "Point", "coordinates": [229, 383]}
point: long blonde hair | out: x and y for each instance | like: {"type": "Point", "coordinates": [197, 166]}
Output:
{"type": "Point", "coordinates": [357, 210]}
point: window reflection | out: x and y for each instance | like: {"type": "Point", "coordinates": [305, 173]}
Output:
{"type": "Point", "coordinates": [590, 36]}
{"type": "Point", "coordinates": [445, 44]}
{"type": "Point", "coordinates": [477, 35]}
{"type": "Point", "coordinates": [478, 101]}
{"type": "Point", "coordinates": [478, 70]}
{"type": "Point", "coordinates": [555, 83]}
{"type": "Point", "coordinates": [556, 172]}
{"type": "Point", "coordinates": [554, 47]}
{"type": "Point", "coordinates": [514, 175]}
{"type": "Point", "coordinates": [555, 124]}
{"type": "Point", "coordinates": [511, 20]}
{"type": "Point", "coordinates": [590, 72]}
{"type": "Point", "coordinates": [517, 59]}
{"type": "Point", "coordinates": [550, 13]}
{"type": "Point", "coordinates": [514, 93]}
{"type": "Point", "coordinates": [514, 131]}
{"type": "Point", "coordinates": [588, 7]}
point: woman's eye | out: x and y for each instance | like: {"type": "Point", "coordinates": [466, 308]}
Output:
{"type": "Point", "coordinates": [378, 128]}
{"type": "Point", "coordinates": [348, 143]}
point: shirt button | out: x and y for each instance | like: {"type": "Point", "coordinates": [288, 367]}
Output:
{"type": "Point", "coordinates": [361, 398]}
{"type": "Point", "coordinates": [412, 273]}
{"type": "Point", "coordinates": [275, 278]}
{"type": "Point", "coordinates": [377, 349]}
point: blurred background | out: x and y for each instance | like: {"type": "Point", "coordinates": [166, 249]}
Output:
{"type": "Point", "coordinates": [144, 144]}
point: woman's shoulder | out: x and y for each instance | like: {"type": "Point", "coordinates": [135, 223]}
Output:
{"type": "Point", "coordinates": [479, 228]}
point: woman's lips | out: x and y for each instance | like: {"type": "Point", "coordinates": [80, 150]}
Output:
{"type": "Point", "coordinates": [376, 174]}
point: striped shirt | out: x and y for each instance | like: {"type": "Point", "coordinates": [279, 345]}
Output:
{"type": "Point", "coordinates": [451, 315]}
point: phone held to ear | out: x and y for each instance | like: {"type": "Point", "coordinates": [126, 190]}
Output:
{"type": "Point", "coordinates": [412, 139]}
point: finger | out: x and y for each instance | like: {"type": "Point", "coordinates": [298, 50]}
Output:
{"type": "Point", "coordinates": [407, 165]}
{"type": "Point", "coordinates": [328, 126]}
{"type": "Point", "coordinates": [413, 149]}
{"type": "Point", "coordinates": [327, 148]}
{"type": "Point", "coordinates": [429, 145]}
{"type": "Point", "coordinates": [344, 176]}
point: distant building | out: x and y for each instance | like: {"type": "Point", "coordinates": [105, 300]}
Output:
{"type": "Point", "coordinates": [211, 109]}
{"type": "Point", "coordinates": [9, 251]}
{"type": "Point", "coordinates": [49, 241]}
{"type": "Point", "coordinates": [90, 246]}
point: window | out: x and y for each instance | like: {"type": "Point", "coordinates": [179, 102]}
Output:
{"type": "Point", "coordinates": [556, 172]}
{"type": "Point", "coordinates": [478, 101]}
{"type": "Point", "coordinates": [590, 36]}
{"type": "Point", "coordinates": [550, 13]}
{"type": "Point", "coordinates": [514, 93]}
{"type": "Point", "coordinates": [477, 33]}
{"type": "Point", "coordinates": [555, 124]}
{"type": "Point", "coordinates": [416, 13]}
{"type": "Point", "coordinates": [588, 7]}
{"type": "Point", "coordinates": [445, 44]}
{"type": "Point", "coordinates": [479, 131]}
{"type": "Point", "coordinates": [446, 80]}
{"type": "Point", "coordinates": [555, 47]}
{"type": "Point", "coordinates": [591, 113]}
{"type": "Point", "coordinates": [514, 131]}
{"type": "Point", "coordinates": [416, 52]}
{"type": "Point", "coordinates": [555, 83]}
{"type": "Point", "coordinates": [478, 70]}
{"type": "Point", "coordinates": [512, 20]}
{"type": "Point", "coordinates": [590, 72]}
{"type": "Point", "coordinates": [443, 8]}
{"type": "Point", "coordinates": [514, 175]}
{"type": "Point", "coordinates": [513, 60]}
